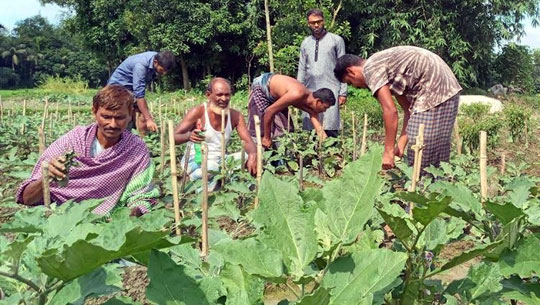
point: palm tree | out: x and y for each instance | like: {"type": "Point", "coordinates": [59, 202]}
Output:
{"type": "Point", "coordinates": [15, 54]}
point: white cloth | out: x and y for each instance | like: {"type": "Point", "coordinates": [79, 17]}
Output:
{"type": "Point", "coordinates": [96, 148]}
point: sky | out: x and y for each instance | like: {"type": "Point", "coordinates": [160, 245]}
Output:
{"type": "Point", "coordinates": [12, 11]}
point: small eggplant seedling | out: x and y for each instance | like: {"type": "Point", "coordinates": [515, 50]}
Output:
{"type": "Point", "coordinates": [70, 161]}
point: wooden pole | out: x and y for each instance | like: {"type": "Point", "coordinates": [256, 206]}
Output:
{"type": "Point", "coordinates": [364, 136]}
{"type": "Point", "coordinates": [204, 205]}
{"type": "Point", "coordinates": [269, 36]}
{"type": "Point", "coordinates": [162, 147]}
{"type": "Point", "coordinates": [459, 142]}
{"type": "Point", "coordinates": [259, 155]}
{"type": "Point", "coordinates": [503, 164]}
{"type": "Point", "coordinates": [354, 155]}
{"type": "Point", "coordinates": [483, 165]}
{"type": "Point", "coordinates": [23, 127]}
{"type": "Point", "coordinates": [1, 110]}
{"type": "Point", "coordinates": [243, 157]}
{"type": "Point", "coordinates": [45, 181]}
{"type": "Point", "coordinates": [70, 112]}
{"type": "Point", "coordinates": [301, 172]}
{"type": "Point", "coordinates": [185, 169]}
{"type": "Point", "coordinates": [45, 110]}
{"type": "Point", "coordinates": [41, 136]}
{"type": "Point", "coordinates": [526, 135]}
{"type": "Point", "coordinates": [418, 148]}
{"type": "Point", "coordinates": [174, 178]}
{"type": "Point", "coordinates": [288, 120]}
{"type": "Point", "coordinates": [320, 148]}
{"type": "Point", "coordinates": [223, 148]}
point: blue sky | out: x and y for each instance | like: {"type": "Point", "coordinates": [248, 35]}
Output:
{"type": "Point", "coordinates": [12, 11]}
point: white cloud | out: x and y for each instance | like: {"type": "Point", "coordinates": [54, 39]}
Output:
{"type": "Point", "coordinates": [531, 37]}
{"type": "Point", "coordinates": [13, 11]}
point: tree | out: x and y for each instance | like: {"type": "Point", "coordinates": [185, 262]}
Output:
{"type": "Point", "coordinates": [515, 67]}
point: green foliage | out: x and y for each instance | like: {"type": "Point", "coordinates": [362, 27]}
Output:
{"type": "Point", "coordinates": [517, 118]}
{"type": "Point", "coordinates": [515, 67]}
{"type": "Point", "coordinates": [361, 101]}
{"type": "Point", "coordinates": [470, 127]}
{"type": "Point", "coordinates": [475, 111]}
{"type": "Point", "coordinates": [65, 85]}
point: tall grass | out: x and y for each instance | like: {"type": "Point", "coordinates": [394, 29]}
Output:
{"type": "Point", "coordinates": [67, 85]}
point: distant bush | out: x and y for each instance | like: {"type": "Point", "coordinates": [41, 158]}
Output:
{"type": "Point", "coordinates": [8, 78]}
{"type": "Point", "coordinates": [474, 91]}
{"type": "Point", "coordinates": [470, 128]}
{"type": "Point", "coordinates": [362, 101]}
{"type": "Point", "coordinates": [475, 111]}
{"type": "Point", "coordinates": [67, 85]}
{"type": "Point", "coordinates": [517, 119]}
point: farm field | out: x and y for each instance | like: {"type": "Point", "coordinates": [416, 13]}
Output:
{"type": "Point", "coordinates": [332, 229]}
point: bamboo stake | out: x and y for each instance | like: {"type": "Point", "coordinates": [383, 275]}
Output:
{"type": "Point", "coordinates": [23, 127]}
{"type": "Point", "coordinates": [354, 155]}
{"type": "Point", "coordinates": [162, 147]}
{"type": "Point", "coordinates": [174, 178]}
{"type": "Point", "coordinates": [503, 164]}
{"type": "Point", "coordinates": [418, 148]}
{"type": "Point", "coordinates": [288, 120]}
{"type": "Point", "coordinates": [45, 181]}
{"type": "Point", "coordinates": [259, 156]}
{"type": "Point", "coordinates": [45, 110]}
{"type": "Point", "coordinates": [483, 165]}
{"type": "Point", "coordinates": [320, 151]}
{"type": "Point", "coordinates": [364, 136]}
{"type": "Point", "coordinates": [41, 136]}
{"type": "Point", "coordinates": [526, 135]}
{"type": "Point", "coordinates": [301, 172]}
{"type": "Point", "coordinates": [204, 205]}
{"type": "Point", "coordinates": [243, 157]}
{"type": "Point", "coordinates": [1, 110]}
{"type": "Point", "coordinates": [223, 148]}
{"type": "Point", "coordinates": [185, 169]}
{"type": "Point", "coordinates": [70, 113]}
{"type": "Point", "coordinates": [459, 142]}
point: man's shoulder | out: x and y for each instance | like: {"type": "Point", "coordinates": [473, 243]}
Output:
{"type": "Point", "coordinates": [135, 141]}
{"type": "Point", "coordinates": [334, 36]}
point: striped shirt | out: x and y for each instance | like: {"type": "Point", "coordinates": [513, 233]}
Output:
{"type": "Point", "coordinates": [422, 76]}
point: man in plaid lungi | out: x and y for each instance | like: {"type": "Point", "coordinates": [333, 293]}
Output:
{"type": "Point", "coordinates": [423, 85]}
{"type": "Point", "coordinates": [271, 95]}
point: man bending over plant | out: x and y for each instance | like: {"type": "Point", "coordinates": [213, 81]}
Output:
{"type": "Point", "coordinates": [270, 97]}
{"type": "Point", "coordinates": [424, 87]}
{"type": "Point", "coordinates": [105, 161]}
{"type": "Point", "coordinates": [203, 123]}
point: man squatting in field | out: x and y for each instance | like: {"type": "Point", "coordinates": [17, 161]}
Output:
{"type": "Point", "coordinates": [207, 118]}
{"type": "Point", "coordinates": [271, 95]}
{"type": "Point", "coordinates": [318, 55]}
{"type": "Point", "coordinates": [112, 162]}
{"type": "Point", "coordinates": [424, 87]}
{"type": "Point", "coordinates": [134, 73]}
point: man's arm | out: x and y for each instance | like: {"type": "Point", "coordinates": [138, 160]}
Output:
{"type": "Point", "coordinates": [403, 139]}
{"type": "Point", "coordinates": [187, 129]}
{"type": "Point", "coordinates": [249, 145]}
{"type": "Point", "coordinates": [390, 117]}
{"type": "Point", "coordinates": [139, 89]}
{"type": "Point", "coordinates": [33, 193]}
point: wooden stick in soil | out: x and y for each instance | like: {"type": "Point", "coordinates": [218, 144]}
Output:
{"type": "Point", "coordinates": [204, 205]}
{"type": "Point", "coordinates": [174, 178]}
{"type": "Point", "coordinates": [301, 172]}
{"type": "Point", "coordinates": [503, 164]}
{"type": "Point", "coordinates": [354, 155]}
{"type": "Point", "coordinates": [223, 149]}
{"type": "Point", "coordinates": [243, 157]}
{"type": "Point", "coordinates": [526, 135]}
{"type": "Point", "coordinates": [483, 165]}
{"type": "Point", "coordinates": [45, 111]}
{"type": "Point", "coordinates": [459, 143]}
{"type": "Point", "coordinates": [41, 139]}
{"type": "Point", "coordinates": [418, 148]}
{"type": "Point", "coordinates": [1, 110]}
{"type": "Point", "coordinates": [259, 156]}
{"type": "Point", "coordinates": [23, 127]}
{"type": "Point", "coordinates": [70, 112]}
{"type": "Point", "coordinates": [45, 181]}
{"type": "Point", "coordinates": [185, 169]}
{"type": "Point", "coordinates": [364, 136]}
{"type": "Point", "coordinates": [320, 148]}
{"type": "Point", "coordinates": [162, 146]}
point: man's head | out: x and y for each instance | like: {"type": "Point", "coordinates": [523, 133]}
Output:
{"type": "Point", "coordinates": [324, 99]}
{"type": "Point", "coordinates": [350, 69]}
{"type": "Point", "coordinates": [315, 19]}
{"type": "Point", "coordinates": [112, 107]}
{"type": "Point", "coordinates": [219, 94]}
{"type": "Point", "coordinates": [164, 62]}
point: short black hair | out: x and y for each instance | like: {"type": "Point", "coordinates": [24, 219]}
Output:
{"type": "Point", "coordinates": [316, 12]}
{"type": "Point", "coordinates": [166, 59]}
{"type": "Point", "coordinates": [325, 95]}
{"type": "Point", "coordinates": [215, 80]}
{"type": "Point", "coordinates": [345, 61]}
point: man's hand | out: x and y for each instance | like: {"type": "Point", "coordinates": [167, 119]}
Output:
{"type": "Point", "coordinates": [57, 168]}
{"type": "Point", "coordinates": [251, 164]}
{"type": "Point", "coordinates": [388, 160]}
{"type": "Point", "coordinates": [195, 136]}
{"type": "Point", "coordinates": [399, 150]}
{"type": "Point", "coordinates": [342, 100]}
{"type": "Point", "coordinates": [266, 142]}
{"type": "Point", "coordinates": [151, 125]}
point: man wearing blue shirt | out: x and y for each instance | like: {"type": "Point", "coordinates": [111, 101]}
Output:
{"type": "Point", "coordinates": [135, 73]}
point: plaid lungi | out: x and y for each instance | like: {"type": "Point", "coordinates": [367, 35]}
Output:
{"type": "Point", "coordinates": [258, 102]}
{"type": "Point", "coordinates": [439, 123]}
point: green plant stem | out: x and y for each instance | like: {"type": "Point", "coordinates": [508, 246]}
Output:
{"type": "Point", "coordinates": [22, 280]}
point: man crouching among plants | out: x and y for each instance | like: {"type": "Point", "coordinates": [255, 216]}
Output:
{"type": "Point", "coordinates": [203, 123]}
{"type": "Point", "coordinates": [101, 160]}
